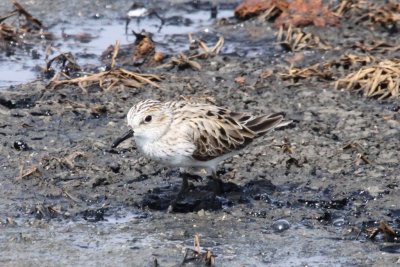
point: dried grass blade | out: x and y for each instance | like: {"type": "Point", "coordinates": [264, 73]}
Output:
{"type": "Point", "coordinates": [115, 54]}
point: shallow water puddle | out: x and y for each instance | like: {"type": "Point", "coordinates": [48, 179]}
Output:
{"type": "Point", "coordinates": [89, 39]}
{"type": "Point", "coordinates": [123, 218]}
{"type": "Point", "coordinates": [12, 72]}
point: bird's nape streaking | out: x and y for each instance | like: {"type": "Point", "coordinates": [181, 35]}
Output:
{"type": "Point", "coordinates": [193, 134]}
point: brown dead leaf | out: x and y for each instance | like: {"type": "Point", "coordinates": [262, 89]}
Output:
{"type": "Point", "coordinates": [390, 234]}
{"type": "Point", "coordinates": [241, 80]}
{"type": "Point", "coordinates": [295, 58]}
{"type": "Point", "coordinates": [33, 170]}
{"type": "Point", "coordinates": [158, 57]}
{"type": "Point", "coordinates": [144, 48]}
{"type": "Point", "coordinates": [302, 13]}
{"type": "Point", "coordinates": [251, 8]}
{"type": "Point", "coordinates": [70, 159]}
{"type": "Point", "coordinates": [266, 73]}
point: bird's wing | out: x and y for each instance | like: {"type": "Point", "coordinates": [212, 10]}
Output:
{"type": "Point", "coordinates": [216, 131]}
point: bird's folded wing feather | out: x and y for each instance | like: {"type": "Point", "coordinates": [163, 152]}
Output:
{"type": "Point", "coordinates": [219, 132]}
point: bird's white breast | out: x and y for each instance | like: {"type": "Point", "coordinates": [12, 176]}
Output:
{"type": "Point", "coordinates": [169, 152]}
{"type": "Point", "coordinates": [139, 12]}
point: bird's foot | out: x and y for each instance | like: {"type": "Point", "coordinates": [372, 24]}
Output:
{"type": "Point", "coordinates": [181, 193]}
{"type": "Point", "coordinates": [217, 186]}
{"type": "Point", "coordinates": [192, 177]}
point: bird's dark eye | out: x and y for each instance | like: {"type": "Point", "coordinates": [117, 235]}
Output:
{"type": "Point", "coordinates": [148, 118]}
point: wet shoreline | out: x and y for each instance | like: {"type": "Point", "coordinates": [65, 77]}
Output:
{"type": "Point", "coordinates": [311, 194]}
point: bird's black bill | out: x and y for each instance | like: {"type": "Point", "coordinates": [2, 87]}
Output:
{"type": "Point", "coordinates": [121, 139]}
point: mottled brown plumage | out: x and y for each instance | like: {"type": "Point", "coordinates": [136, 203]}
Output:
{"type": "Point", "coordinates": [194, 134]}
{"type": "Point", "coordinates": [222, 131]}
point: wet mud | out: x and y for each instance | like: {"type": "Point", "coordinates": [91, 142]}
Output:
{"type": "Point", "coordinates": [323, 191]}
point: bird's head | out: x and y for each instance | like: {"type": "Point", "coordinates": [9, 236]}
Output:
{"type": "Point", "coordinates": [149, 120]}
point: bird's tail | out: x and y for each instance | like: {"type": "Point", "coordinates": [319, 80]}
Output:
{"type": "Point", "coordinates": [263, 124]}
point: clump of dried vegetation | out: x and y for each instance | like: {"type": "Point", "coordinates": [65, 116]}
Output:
{"type": "Point", "coordinates": [24, 27]}
{"type": "Point", "coordinates": [370, 13]}
{"type": "Point", "coordinates": [364, 73]}
{"type": "Point", "coordinates": [377, 47]}
{"type": "Point", "coordinates": [199, 50]}
{"type": "Point", "coordinates": [145, 54]}
{"type": "Point", "coordinates": [145, 50]}
{"type": "Point", "coordinates": [109, 79]}
{"type": "Point", "coordinates": [316, 70]}
{"type": "Point", "coordinates": [373, 79]}
{"type": "Point", "coordinates": [391, 234]}
{"type": "Point", "coordinates": [361, 154]}
{"type": "Point", "coordinates": [348, 61]}
{"type": "Point", "coordinates": [295, 39]}
{"type": "Point", "coordinates": [198, 256]}
{"type": "Point", "coordinates": [381, 80]}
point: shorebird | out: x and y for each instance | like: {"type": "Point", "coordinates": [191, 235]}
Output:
{"type": "Point", "coordinates": [193, 134]}
{"type": "Point", "coordinates": [138, 11]}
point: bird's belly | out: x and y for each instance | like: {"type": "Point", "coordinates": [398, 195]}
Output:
{"type": "Point", "coordinates": [177, 155]}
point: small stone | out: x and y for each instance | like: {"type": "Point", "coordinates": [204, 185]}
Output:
{"type": "Point", "coordinates": [339, 222]}
{"type": "Point", "coordinates": [201, 213]}
{"type": "Point", "coordinates": [280, 226]}
{"type": "Point", "coordinates": [20, 145]}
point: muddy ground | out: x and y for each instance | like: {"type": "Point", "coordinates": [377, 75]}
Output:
{"type": "Point", "coordinates": [67, 198]}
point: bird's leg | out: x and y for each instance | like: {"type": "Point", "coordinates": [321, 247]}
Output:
{"type": "Point", "coordinates": [182, 192]}
{"type": "Point", "coordinates": [217, 184]}
{"type": "Point", "coordinates": [128, 20]}
{"type": "Point", "coordinates": [159, 17]}
{"type": "Point", "coordinates": [184, 186]}
{"type": "Point", "coordinates": [138, 23]}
